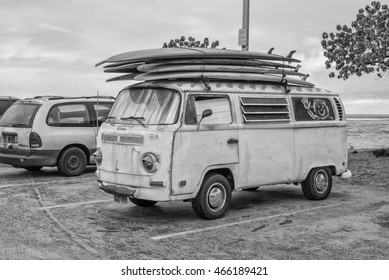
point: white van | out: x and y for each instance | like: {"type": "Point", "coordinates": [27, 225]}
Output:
{"type": "Point", "coordinates": [186, 140]}
{"type": "Point", "coordinates": [52, 131]}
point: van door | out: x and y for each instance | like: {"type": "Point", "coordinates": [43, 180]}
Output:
{"type": "Point", "coordinates": [204, 142]}
{"type": "Point", "coordinates": [266, 142]}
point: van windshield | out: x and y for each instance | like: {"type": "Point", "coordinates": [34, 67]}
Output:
{"type": "Point", "coordinates": [146, 106]}
{"type": "Point", "coordinates": [19, 115]}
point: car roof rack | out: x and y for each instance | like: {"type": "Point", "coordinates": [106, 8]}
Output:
{"type": "Point", "coordinates": [55, 97]}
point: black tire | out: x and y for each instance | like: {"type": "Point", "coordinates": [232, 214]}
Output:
{"type": "Point", "coordinates": [214, 197]}
{"type": "Point", "coordinates": [142, 202]}
{"type": "Point", "coordinates": [33, 168]}
{"type": "Point", "coordinates": [318, 184]}
{"type": "Point", "coordinates": [72, 162]}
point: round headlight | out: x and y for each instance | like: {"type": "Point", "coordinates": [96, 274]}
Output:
{"type": "Point", "coordinates": [150, 162]}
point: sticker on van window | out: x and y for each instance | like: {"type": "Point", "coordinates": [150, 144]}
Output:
{"type": "Point", "coordinates": [313, 109]}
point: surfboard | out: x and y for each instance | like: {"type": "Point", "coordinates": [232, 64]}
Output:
{"type": "Point", "coordinates": [123, 77]}
{"type": "Point", "coordinates": [234, 76]}
{"type": "Point", "coordinates": [143, 67]}
{"type": "Point", "coordinates": [221, 68]}
{"type": "Point", "coordinates": [129, 68]}
{"type": "Point", "coordinates": [149, 55]}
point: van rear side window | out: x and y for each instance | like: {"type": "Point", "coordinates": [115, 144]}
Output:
{"type": "Point", "coordinates": [313, 109]}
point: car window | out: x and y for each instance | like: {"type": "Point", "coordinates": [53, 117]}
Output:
{"type": "Point", "coordinates": [102, 110]}
{"type": "Point", "coordinates": [69, 115]}
{"type": "Point", "coordinates": [220, 106]}
{"type": "Point", "coordinates": [19, 115]}
{"type": "Point", "coordinates": [4, 105]}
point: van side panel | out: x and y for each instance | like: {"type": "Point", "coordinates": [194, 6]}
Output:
{"type": "Point", "coordinates": [320, 146]}
{"type": "Point", "coordinates": [266, 154]}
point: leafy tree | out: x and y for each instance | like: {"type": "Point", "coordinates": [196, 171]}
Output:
{"type": "Point", "coordinates": [362, 48]}
{"type": "Point", "coordinates": [190, 43]}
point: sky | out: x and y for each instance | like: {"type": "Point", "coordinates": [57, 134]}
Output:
{"type": "Point", "coordinates": [50, 47]}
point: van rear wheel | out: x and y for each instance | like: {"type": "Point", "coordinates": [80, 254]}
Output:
{"type": "Point", "coordinates": [142, 202]}
{"type": "Point", "coordinates": [214, 197]}
{"type": "Point", "coordinates": [318, 184]}
{"type": "Point", "coordinates": [72, 162]}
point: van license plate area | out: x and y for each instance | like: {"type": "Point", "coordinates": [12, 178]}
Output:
{"type": "Point", "coordinates": [120, 198]}
{"type": "Point", "coordinates": [11, 139]}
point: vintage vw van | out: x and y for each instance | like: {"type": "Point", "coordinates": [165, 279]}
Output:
{"type": "Point", "coordinates": [178, 140]}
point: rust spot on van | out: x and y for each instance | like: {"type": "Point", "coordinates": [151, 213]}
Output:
{"type": "Point", "coordinates": [229, 85]}
{"type": "Point", "coordinates": [263, 87]}
{"type": "Point", "coordinates": [241, 86]}
{"type": "Point", "coordinates": [252, 86]}
{"type": "Point", "coordinates": [218, 85]}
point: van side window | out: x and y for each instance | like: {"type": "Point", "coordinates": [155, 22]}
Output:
{"type": "Point", "coordinates": [69, 115]}
{"type": "Point", "coordinates": [220, 106]}
{"type": "Point", "coordinates": [313, 109]}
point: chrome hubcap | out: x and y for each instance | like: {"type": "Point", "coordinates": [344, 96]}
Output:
{"type": "Point", "coordinates": [216, 197]}
{"type": "Point", "coordinates": [321, 181]}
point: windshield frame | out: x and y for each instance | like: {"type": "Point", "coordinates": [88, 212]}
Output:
{"type": "Point", "coordinates": [119, 119]}
{"type": "Point", "coordinates": [29, 125]}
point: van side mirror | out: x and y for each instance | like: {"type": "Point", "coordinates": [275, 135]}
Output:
{"type": "Point", "coordinates": [206, 113]}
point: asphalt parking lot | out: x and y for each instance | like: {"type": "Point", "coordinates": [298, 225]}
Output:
{"type": "Point", "coordinates": [47, 216]}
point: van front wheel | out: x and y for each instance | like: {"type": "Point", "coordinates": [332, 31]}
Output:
{"type": "Point", "coordinates": [72, 162]}
{"type": "Point", "coordinates": [318, 184]}
{"type": "Point", "coordinates": [214, 197]}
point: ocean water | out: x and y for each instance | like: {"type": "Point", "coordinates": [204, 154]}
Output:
{"type": "Point", "coordinates": [368, 131]}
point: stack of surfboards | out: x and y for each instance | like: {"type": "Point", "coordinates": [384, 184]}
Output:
{"type": "Point", "coordinates": [204, 63]}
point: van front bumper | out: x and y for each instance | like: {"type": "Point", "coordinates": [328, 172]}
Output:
{"type": "Point", "coordinates": [36, 158]}
{"type": "Point", "coordinates": [125, 191]}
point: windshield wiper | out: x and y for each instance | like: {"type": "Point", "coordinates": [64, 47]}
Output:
{"type": "Point", "coordinates": [111, 119]}
{"type": "Point", "coordinates": [138, 119]}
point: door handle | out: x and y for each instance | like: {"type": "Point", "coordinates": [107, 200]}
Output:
{"type": "Point", "coordinates": [232, 141]}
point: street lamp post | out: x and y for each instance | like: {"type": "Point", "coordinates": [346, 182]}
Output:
{"type": "Point", "coordinates": [244, 32]}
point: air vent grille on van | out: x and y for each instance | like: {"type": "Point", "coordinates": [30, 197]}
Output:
{"type": "Point", "coordinates": [260, 109]}
{"type": "Point", "coordinates": [340, 110]}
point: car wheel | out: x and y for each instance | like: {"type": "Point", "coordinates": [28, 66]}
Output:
{"type": "Point", "coordinates": [318, 184]}
{"type": "Point", "coordinates": [142, 202]}
{"type": "Point", "coordinates": [214, 197]}
{"type": "Point", "coordinates": [72, 162]}
{"type": "Point", "coordinates": [33, 168]}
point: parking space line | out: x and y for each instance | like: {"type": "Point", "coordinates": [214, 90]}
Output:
{"type": "Point", "coordinates": [28, 184]}
{"type": "Point", "coordinates": [74, 204]}
{"type": "Point", "coordinates": [241, 222]}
